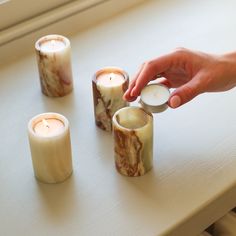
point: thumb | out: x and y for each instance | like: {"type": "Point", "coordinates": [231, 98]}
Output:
{"type": "Point", "coordinates": [185, 93]}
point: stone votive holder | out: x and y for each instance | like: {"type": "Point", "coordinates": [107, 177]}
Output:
{"type": "Point", "coordinates": [50, 146]}
{"type": "Point", "coordinates": [109, 85]}
{"type": "Point", "coordinates": [54, 65]}
{"type": "Point", "coordinates": [133, 141]}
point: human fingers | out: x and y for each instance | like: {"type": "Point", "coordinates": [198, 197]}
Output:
{"type": "Point", "coordinates": [127, 95]}
{"type": "Point", "coordinates": [165, 82]}
{"type": "Point", "coordinates": [149, 71]}
{"type": "Point", "coordinates": [186, 92]}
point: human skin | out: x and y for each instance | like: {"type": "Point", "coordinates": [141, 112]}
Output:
{"type": "Point", "coordinates": [190, 72]}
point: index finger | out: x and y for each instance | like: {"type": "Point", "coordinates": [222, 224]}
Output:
{"type": "Point", "coordinates": [149, 71]}
{"type": "Point", "coordinates": [127, 96]}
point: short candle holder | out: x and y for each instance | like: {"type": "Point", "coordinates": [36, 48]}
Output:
{"type": "Point", "coordinates": [50, 146]}
{"type": "Point", "coordinates": [109, 85]}
{"type": "Point", "coordinates": [133, 141]}
{"type": "Point", "coordinates": [54, 65]}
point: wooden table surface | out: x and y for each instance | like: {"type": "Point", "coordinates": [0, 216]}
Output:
{"type": "Point", "coordinates": [193, 181]}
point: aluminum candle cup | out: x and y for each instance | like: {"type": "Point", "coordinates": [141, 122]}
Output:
{"type": "Point", "coordinates": [154, 98]}
{"type": "Point", "coordinates": [109, 86]}
{"type": "Point", "coordinates": [54, 65]}
{"type": "Point", "coordinates": [49, 139]}
{"type": "Point", "coordinates": [133, 141]}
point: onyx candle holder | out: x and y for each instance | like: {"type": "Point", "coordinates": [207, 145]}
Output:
{"type": "Point", "coordinates": [49, 139]}
{"type": "Point", "coordinates": [54, 65]}
{"type": "Point", "coordinates": [133, 141]}
{"type": "Point", "coordinates": [109, 85]}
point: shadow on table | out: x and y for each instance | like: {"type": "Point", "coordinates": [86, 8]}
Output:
{"type": "Point", "coordinates": [64, 105]}
{"type": "Point", "coordinates": [57, 201]}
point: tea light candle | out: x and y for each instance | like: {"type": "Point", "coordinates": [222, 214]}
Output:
{"type": "Point", "coordinates": [49, 127]}
{"type": "Point", "coordinates": [154, 98]}
{"type": "Point", "coordinates": [49, 139]}
{"type": "Point", "coordinates": [52, 46]}
{"type": "Point", "coordinates": [54, 65]}
{"type": "Point", "coordinates": [109, 86]}
{"type": "Point", "coordinates": [133, 141]}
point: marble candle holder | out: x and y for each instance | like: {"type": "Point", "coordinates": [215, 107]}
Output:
{"type": "Point", "coordinates": [133, 141]}
{"type": "Point", "coordinates": [109, 85]}
{"type": "Point", "coordinates": [49, 139]}
{"type": "Point", "coordinates": [54, 65]}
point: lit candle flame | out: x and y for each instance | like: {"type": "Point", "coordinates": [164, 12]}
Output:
{"type": "Point", "coordinates": [112, 76]}
{"type": "Point", "coordinates": [45, 123]}
{"type": "Point", "coordinates": [53, 42]}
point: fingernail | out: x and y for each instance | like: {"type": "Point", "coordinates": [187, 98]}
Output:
{"type": "Point", "coordinates": [175, 101]}
{"type": "Point", "coordinates": [132, 93]}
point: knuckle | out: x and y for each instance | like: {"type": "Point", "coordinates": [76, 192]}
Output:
{"type": "Point", "coordinates": [149, 64]}
{"type": "Point", "coordinates": [181, 51]}
{"type": "Point", "coordinates": [190, 92]}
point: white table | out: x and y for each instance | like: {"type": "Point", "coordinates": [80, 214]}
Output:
{"type": "Point", "coordinates": [193, 181]}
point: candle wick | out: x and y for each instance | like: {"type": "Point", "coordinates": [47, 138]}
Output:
{"type": "Point", "coordinates": [45, 123]}
{"type": "Point", "coordinates": [110, 78]}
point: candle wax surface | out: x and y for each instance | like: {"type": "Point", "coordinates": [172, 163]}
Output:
{"type": "Point", "coordinates": [49, 127]}
{"type": "Point", "coordinates": [155, 95]}
{"type": "Point", "coordinates": [53, 45]}
{"type": "Point", "coordinates": [110, 79]}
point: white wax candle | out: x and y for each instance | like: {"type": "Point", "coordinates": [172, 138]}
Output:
{"type": "Point", "coordinates": [155, 94]}
{"type": "Point", "coordinates": [53, 45]}
{"type": "Point", "coordinates": [154, 97]}
{"type": "Point", "coordinates": [54, 64]}
{"type": "Point", "coordinates": [110, 79]}
{"type": "Point", "coordinates": [49, 127]}
{"type": "Point", "coordinates": [49, 140]}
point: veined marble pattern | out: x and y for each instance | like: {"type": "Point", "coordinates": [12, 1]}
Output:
{"type": "Point", "coordinates": [107, 102]}
{"type": "Point", "coordinates": [133, 146]}
{"type": "Point", "coordinates": [55, 70]}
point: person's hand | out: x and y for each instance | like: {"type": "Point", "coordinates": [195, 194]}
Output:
{"type": "Point", "coordinates": [190, 72]}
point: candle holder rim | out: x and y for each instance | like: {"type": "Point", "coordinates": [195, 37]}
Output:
{"type": "Point", "coordinates": [114, 119]}
{"type": "Point", "coordinates": [51, 37]}
{"type": "Point", "coordinates": [34, 120]}
{"type": "Point", "coordinates": [111, 69]}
